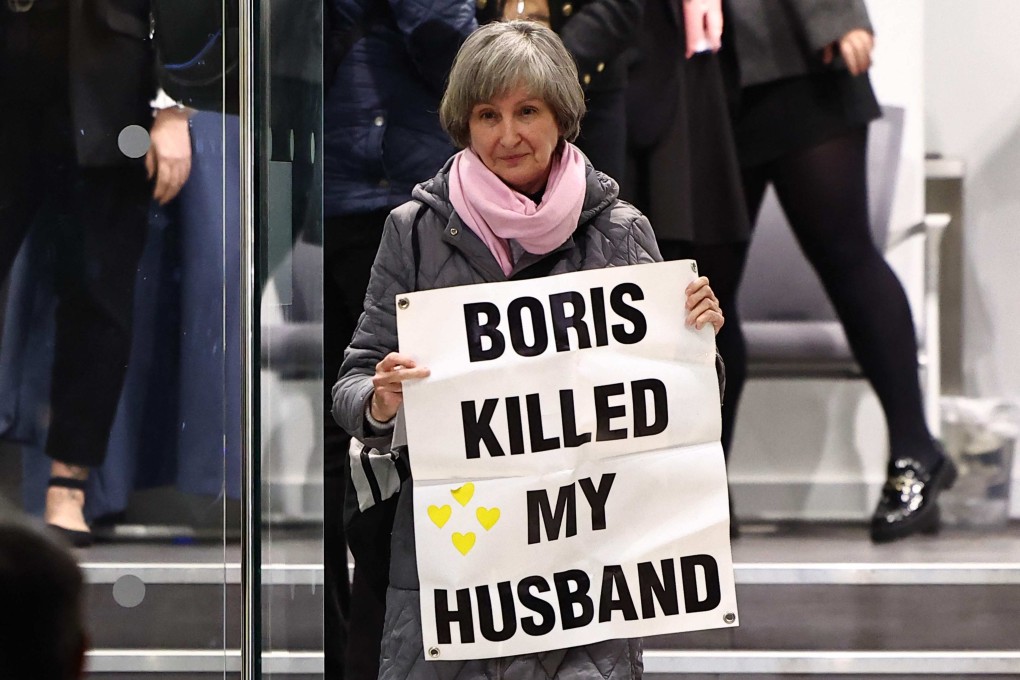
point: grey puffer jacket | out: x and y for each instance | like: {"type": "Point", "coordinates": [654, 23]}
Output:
{"type": "Point", "coordinates": [610, 233]}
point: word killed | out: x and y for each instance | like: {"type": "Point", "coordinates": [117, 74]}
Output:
{"type": "Point", "coordinates": [648, 415]}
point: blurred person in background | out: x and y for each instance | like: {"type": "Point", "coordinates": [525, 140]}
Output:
{"type": "Point", "coordinates": [682, 169]}
{"type": "Point", "coordinates": [386, 63]}
{"type": "Point", "coordinates": [597, 33]}
{"type": "Point", "coordinates": [802, 104]}
{"type": "Point", "coordinates": [81, 129]}
{"type": "Point", "coordinates": [42, 630]}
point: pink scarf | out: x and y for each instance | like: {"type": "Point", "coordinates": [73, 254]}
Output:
{"type": "Point", "coordinates": [497, 213]}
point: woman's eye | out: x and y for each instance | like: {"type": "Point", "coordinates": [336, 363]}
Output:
{"type": "Point", "coordinates": [487, 115]}
{"type": "Point", "coordinates": [529, 110]}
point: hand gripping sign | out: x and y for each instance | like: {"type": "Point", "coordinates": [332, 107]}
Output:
{"type": "Point", "coordinates": [569, 484]}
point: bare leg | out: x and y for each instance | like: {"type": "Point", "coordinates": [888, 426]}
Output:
{"type": "Point", "coordinates": [65, 507]}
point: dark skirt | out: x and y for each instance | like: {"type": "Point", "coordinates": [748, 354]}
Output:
{"type": "Point", "coordinates": [773, 119]}
{"type": "Point", "coordinates": [686, 180]}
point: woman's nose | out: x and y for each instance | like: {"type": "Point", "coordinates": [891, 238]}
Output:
{"type": "Point", "coordinates": [508, 134]}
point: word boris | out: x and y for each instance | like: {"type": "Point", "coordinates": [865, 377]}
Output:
{"type": "Point", "coordinates": [528, 322]}
{"type": "Point", "coordinates": [572, 602]}
{"type": "Point", "coordinates": [644, 421]}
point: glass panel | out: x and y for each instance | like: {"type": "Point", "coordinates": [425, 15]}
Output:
{"type": "Point", "coordinates": [120, 345]}
{"type": "Point", "coordinates": [288, 222]}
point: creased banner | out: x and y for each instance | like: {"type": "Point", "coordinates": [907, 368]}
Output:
{"type": "Point", "coordinates": [569, 484]}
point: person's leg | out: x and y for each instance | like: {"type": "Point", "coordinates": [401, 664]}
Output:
{"type": "Point", "coordinates": [100, 244]}
{"type": "Point", "coordinates": [353, 620]}
{"type": "Point", "coordinates": [823, 191]}
{"type": "Point", "coordinates": [723, 264]}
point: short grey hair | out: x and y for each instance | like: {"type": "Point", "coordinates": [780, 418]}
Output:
{"type": "Point", "coordinates": [501, 56]}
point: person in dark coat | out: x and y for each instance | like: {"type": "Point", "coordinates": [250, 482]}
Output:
{"type": "Point", "coordinates": [803, 104]}
{"type": "Point", "coordinates": [597, 33]}
{"type": "Point", "coordinates": [519, 201]}
{"type": "Point", "coordinates": [682, 168]}
{"type": "Point", "coordinates": [77, 131]}
{"type": "Point", "coordinates": [381, 137]}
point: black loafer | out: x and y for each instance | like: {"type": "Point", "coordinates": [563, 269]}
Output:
{"type": "Point", "coordinates": [908, 503]}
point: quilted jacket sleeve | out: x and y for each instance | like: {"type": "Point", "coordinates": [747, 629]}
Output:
{"type": "Point", "coordinates": [376, 334]}
{"type": "Point", "coordinates": [644, 248]}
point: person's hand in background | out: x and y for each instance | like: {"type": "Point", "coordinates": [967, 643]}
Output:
{"type": "Point", "coordinates": [703, 21]}
{"type": "Point", "coordinates": [169, 157]}
{"type": "Point", "coordinates": [855, 48]}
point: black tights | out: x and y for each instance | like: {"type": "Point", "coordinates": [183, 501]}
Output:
{"type": "Point", "coordinates": [823, 192]}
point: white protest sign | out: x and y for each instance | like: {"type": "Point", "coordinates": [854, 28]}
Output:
{"type": "Point", "coordinates": [569, 484]}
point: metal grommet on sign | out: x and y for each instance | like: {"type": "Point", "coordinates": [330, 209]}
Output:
{"type": "Point", "coordinates": [434, 652]}
{"type": "Point", "coordinates": [403, 303]}
{"type": "Point", "coordinates": [729, 617]}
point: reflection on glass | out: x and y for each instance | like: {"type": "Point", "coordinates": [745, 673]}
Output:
{"type": "Point", "coordinates": [119, 368]}
{"type": "Point", "coordinates": [288, 106]}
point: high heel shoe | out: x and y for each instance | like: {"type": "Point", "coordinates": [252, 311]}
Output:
{"type": "Point", "coordinates": [78, 539]}
{"type": "Point", "coordinates": [908, 503]}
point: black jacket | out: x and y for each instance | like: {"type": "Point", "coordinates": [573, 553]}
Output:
{"type": "Point", "coordinates": [112, 75]}
{"type": "Point", "coordinates": [596, 32]}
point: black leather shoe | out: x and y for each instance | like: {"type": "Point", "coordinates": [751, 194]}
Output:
{"type": "Point", "coordinates": [908, 503]}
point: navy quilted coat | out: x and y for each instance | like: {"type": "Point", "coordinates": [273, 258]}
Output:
{"type": "Point", "coordinates": [609, 233]}
{"type": "Point", "coordinates": [381, 132]}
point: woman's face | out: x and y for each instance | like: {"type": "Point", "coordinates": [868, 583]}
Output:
{"type": "Point", "coordinates": [515, 136]}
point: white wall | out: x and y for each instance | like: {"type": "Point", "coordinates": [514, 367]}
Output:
{"type": "Point", "coordinates": [972, 105]}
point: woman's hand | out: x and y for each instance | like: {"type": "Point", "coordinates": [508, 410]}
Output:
{"type": "Point", "coordinates": [703, 23]}
{"type": "Point", "coordinates": [169, 156]}
{"type": "Point", "coordinates": [703, 305]}
{"type": "Point", "coordinates": [390, 374]}
{"type": "Point", "coordinates": [855, 47]}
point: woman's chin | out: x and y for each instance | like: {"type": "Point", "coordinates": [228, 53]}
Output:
{"type": "Point", "coordinates": [525, 183]}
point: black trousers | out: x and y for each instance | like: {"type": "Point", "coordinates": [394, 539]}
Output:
{"type": "Point", "coordinates": [354, 614]}
{"type": "Point", "coordinates": [97, 219]}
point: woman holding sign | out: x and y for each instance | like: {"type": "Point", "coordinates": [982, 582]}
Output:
{"type": "Point", "coordinates": [518, 202]}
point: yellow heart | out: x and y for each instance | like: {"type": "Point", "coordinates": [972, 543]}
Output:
{"type": "Point", "coordinates": [464, 542]}
{"type": "Point", "coordinates": [463, 494]}
{"type": "Point", "coordinates": [440, 515]}
{"type": "Point", "coordinates": [487, 517]}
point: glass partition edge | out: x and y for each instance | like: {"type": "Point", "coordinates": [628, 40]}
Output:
{"type": "Point", "coordinates": [251, 641]}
